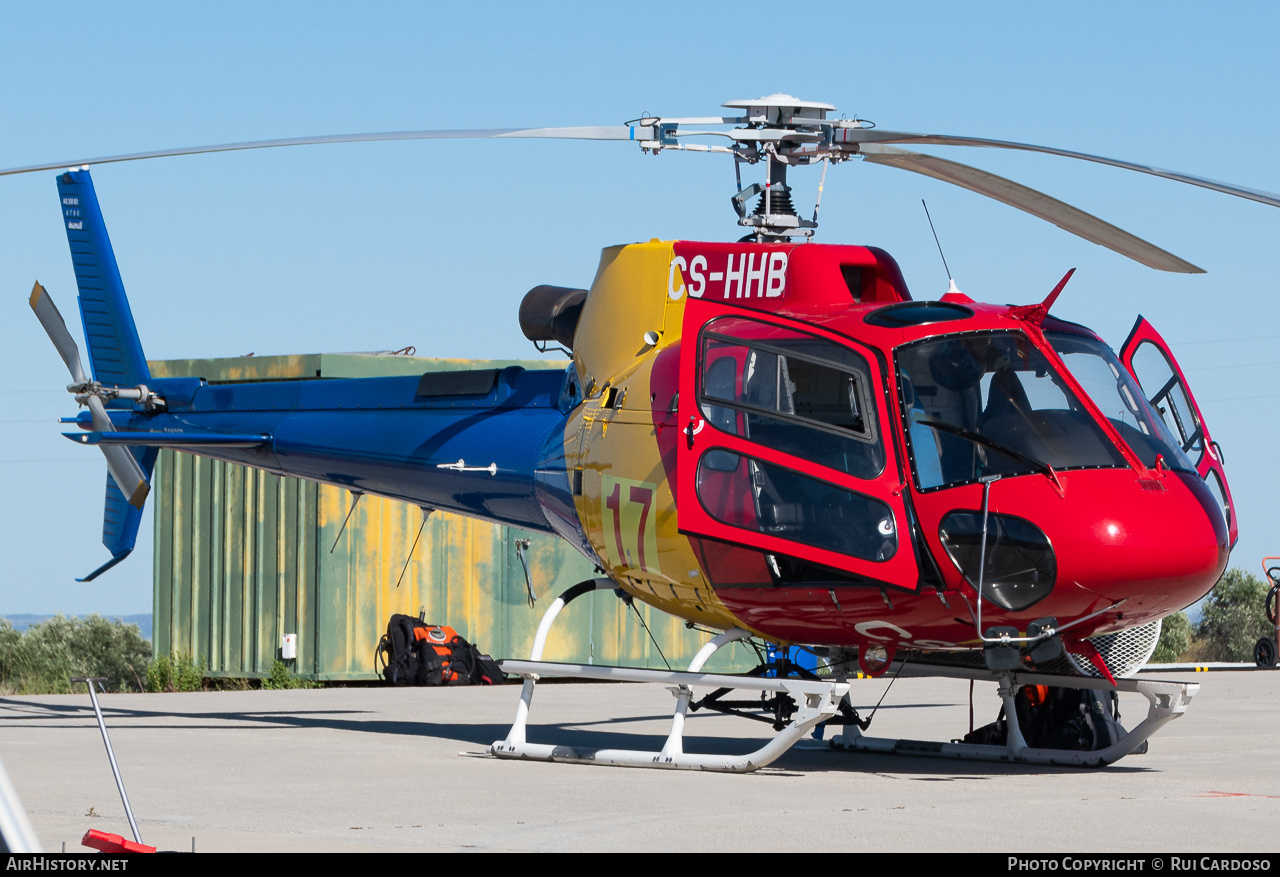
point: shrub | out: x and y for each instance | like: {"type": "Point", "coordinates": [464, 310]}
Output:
{"type": "Point", "coordinates": [43, 659]}
{"type": "Point", "coordinates": [1175, 639]}
{"type": "Point", "coordinates": [178, 672]}
{"type": "Point", "coordinates": [282, 677]}
{"type": "Point", "coordinates": [1232, 618]}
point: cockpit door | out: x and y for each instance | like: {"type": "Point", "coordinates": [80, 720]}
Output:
{"type": "Point", "coordinates": [1149, 360]}
{"type": "Point", "coordinates": [786, 447]}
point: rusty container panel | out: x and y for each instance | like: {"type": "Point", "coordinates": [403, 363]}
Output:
{"type": "Point", "coordinates": [243, 557]}
{"type": "Point", "coordinates": [234, 564]}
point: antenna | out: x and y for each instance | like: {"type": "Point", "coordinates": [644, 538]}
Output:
{"type": "Point", "coordinates": [951, 283]}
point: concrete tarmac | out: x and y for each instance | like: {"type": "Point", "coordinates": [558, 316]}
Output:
{"type": "Point", "coordinates": [374, 769]}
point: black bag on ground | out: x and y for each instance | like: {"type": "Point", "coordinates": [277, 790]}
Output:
{"type": "Point", "coordinates": [402, 656]}
{"type": "Point", "coordinates": [416, 653]}
{"type": "Point", "coordinates": [472, 666]}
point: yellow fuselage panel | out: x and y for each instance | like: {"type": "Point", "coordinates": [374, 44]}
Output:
{"type": "Point", "coordinates": [626, 503]}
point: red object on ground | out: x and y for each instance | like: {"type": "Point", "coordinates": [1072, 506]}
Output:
{"type": "Point", "coordinates": [112, 843]}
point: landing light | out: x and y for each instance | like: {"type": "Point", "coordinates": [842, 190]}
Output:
{"type": "Point", "coordinates": [874, 659]}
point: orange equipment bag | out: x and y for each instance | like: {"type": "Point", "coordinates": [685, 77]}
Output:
{"type": "Point", "coordinates": [442, 640]}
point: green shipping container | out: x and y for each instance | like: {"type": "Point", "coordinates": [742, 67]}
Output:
{"type": "Point", "coordinates": [244, 557]}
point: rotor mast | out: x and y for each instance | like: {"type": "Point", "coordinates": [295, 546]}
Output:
{"type": "Point", "coordinates": [780, 131]}
{"type": "Point", "coordinates": [777, 130]}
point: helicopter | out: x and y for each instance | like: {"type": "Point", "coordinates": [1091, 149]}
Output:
{"type": "Point", "coordinates": [768, 437]}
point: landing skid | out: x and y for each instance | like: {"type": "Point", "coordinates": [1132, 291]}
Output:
{"type": "Point", "coordinates": [815, 700]}
{"type": "Point", "coordinates": [1166, 702]}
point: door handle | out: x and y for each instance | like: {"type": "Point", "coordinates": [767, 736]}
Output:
{"type": "Point", "coordinates": [692, 428]}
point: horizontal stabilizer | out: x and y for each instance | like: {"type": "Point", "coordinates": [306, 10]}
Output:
{"type": "Point", "coordinates": [169, 439]}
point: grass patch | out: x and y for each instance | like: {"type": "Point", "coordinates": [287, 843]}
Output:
{"type": "Point", "coordinates": [282, 677]}
{"type": "Point", "coordinates": [175, 673]}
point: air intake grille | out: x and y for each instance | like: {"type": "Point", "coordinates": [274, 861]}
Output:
{"type": "Point", "coordinates": [1124, 652]}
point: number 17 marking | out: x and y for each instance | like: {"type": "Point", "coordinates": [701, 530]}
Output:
{"type": "Point", "coordinates": [630, 502]}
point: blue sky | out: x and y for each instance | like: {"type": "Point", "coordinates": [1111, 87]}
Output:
{"type": "Point", "coordinates": [378, 246]}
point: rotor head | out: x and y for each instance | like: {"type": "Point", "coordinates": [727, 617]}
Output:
{"type": "Point", "coordinates": [780, 109]}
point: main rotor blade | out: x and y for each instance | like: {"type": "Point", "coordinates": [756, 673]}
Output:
{"type": "Point", "coordinates": [869, 135]}
{"type": "Point", "coordinates": [602, 132]}
{"type": "Point", "coordinates": [56, 328]}
{"type": "Point", "coordinates": [1063, 215]}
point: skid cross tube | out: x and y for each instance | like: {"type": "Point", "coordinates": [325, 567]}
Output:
{"type": "Point", "coordinates": [816, 701]}
{"type": "Point", "coordinates": [515, 737]}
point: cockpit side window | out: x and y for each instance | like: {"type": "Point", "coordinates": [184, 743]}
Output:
{"type": "Point", "coordinates": [1170, 399]}
{"type": "Point", "coordinates": [796, 393]}
{"type": "Point", "coordinates": [1120, 398]}
{"type": "Point", "coordinates": [784, 470]}
{"type": "Point", "coordinates": [721, 381]}
{"type": "Point", "coordinates": [799, 508]}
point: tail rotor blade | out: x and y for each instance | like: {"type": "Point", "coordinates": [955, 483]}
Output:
{"type": "Point", "coordinates": [56, 328]}
{"type": "Point", "coordinates": [101, 420]}
{"type": "Point", "coordinates": [127, 474]}
{"type": "Point", "coordinates": [121, 463]}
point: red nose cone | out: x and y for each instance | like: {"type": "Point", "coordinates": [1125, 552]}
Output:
{"type": "Point", "coordinates": [1152, 545]}
{"type": "Point", "coordinates": [1161, 547]}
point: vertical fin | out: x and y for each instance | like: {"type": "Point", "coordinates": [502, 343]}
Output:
{"type": "Point", "coordinates": [120, 518]}
{"type": "Point", "coordinates": [115, 351]}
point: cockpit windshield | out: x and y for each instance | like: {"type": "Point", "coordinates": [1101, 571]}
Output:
{"type": "Point", "coordinates": [1119, 397]}
{"type": "Point", "coordinates": [989, 403]}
